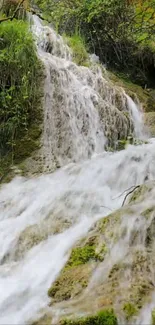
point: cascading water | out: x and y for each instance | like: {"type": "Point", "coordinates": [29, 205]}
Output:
{"type": "Point", "coordinates": [82, 109]}
{"type": "Point", "coordinates": [42, 218]}
{"type": "Point", "coordinates": [137, 117]}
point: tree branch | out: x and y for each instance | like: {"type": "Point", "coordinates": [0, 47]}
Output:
{"type": "Point", "coordinates": [14, 14]}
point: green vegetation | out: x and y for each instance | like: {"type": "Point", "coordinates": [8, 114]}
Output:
{"type": "Point", "coordinates": [70, 283]}
{"type": "Point", "coordinates": [153, 317]}
{"type": "Point", "coordinates": [20, 93]}
{"type": "Point", "coordinates": [129, 309]}
{"type": "Point", "coordinates": [80, 54]}
{"type": "Point", "coordinates": [82, 255]}
{"type": "Point", "coordinates": [104, 317]}
{"type": "Point", "coordinates": [120, 32]}
{"type": "Point", "coordinates": [75, 275]}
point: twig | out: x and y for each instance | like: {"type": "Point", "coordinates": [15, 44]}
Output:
{"type": "Point", "coordinates": [128, 189]}
{"type": "Point", "coordinates": [14, 14]}
{"type": "Point", "coordinates": [103, 206]}
{"type": "Point", "coordinates": [135, 188]}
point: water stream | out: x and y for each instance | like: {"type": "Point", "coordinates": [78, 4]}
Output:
{"type": "Point", "coordinates": [73, 197]}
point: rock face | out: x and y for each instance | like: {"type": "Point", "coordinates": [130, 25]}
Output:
{"type": "Point", "coordinates": [113, 266]}
{"type": "Point", "coordinates": [150, 123]}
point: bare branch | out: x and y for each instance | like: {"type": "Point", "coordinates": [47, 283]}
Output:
{"type": "Point", "coordinates": [14, 14]}
{"type": "Point", "coordinates": [135, 188]}
{"type": "Point", "coordinates": [128, 189]}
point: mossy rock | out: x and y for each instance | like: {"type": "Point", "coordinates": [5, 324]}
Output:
{"type": "Point", "coordinates": [133, 270]}
{"type": "Point", "coordinates": [82, 255]}
{"type": "Point", "coordinates": [23, 149]}
{"type": "Point", "coordinates": [74, 277]}
{"type": "Point", "coordinates": [104, 317]}
{"type": "Point", "coordinates": [44, 320]}
{"type": "Point", "coordinates": [71, 282]}
{"type": "Point", "coordinates": [36, 233]}
{"type": "Point", "coordinates": [130, 310]}
{"type": "Point", "coordinates": [132, 89]}
{"type": "Point", "coordinates": [153, 317]}
{"type": "Point", "coordinates": [150, 107]}
{"type": "Point", "coordinates": [108, 226]}
{"type": "Point", "coordinates": [149, 119]}
{"type": "Point", "coordinates": [140, 193]}
{"type": "Point", "coordinates": [121, 144]}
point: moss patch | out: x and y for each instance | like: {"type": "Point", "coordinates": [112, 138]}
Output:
{"type": "Point", "coordinates": [104, 317]}
{"type": "Point", "coordinates": [82, 255]}
{"type": "Point", "coordinates": [153, 317]}
{"type": "Point", "coordinates": [130, 310]}
{"type": "Point", "coordinates": [70, 283]}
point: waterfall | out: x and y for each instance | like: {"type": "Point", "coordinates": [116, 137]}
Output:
{"type": "Point", "coordinates": [83, 111]}
{"type": "Point", "coordinates": [137, 116]}
{"type": "Point", "coordinates": [42, 218]}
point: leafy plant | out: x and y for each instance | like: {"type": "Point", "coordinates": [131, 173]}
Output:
{"type": "Point", "coordinates": [80, 54]}
{"type": "Point", "coordinates": [20, 75]}
{"type": "Point", "coordinates": [120, 32]}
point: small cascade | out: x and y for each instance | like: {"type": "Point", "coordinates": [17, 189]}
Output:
{"type": "Point", "coordinates": [83, 111]}
{"type": "Point", "coordinates": [136, 114]}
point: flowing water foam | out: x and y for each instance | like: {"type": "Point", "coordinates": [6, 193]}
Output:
{"type": "Point", "coordinates": [76, 195]}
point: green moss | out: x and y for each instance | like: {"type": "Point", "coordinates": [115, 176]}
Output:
{"type": "Point", "coordinates": [121, 144]}
{"type": "Point", "coordinates": [153, 317]}
{"type": "Point", "coordinates": [82, 255]}
{"type": "Point", "coordinates": [129, 309]}
{"type": "Point", "coordinates": [70, 283]}
{"type": "Point", "coordinates": [104, 317]}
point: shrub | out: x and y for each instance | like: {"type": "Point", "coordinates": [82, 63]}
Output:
{"type": "Point", "coordinates": [20, 76]}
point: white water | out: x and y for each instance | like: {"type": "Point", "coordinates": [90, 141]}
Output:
{"type": "Point", "coordinates": [76, 195]}
{"type": "Point", "coordinates": [137, 117]}
{"type": "Point", "coordinates": [83, 110]}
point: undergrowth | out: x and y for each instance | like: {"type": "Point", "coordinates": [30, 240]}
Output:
{"type": "Point", "coordinates": [79, 51]}
{"type": "Point", "coordinates": [20, 88]}
{"type": "Point", "coordinates": [104, 317]}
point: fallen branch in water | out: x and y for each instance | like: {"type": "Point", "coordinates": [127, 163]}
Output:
{"type": "Point", "coordinates": [135, 188]}
{"type": "Point", "coordinates": [128, 189]}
